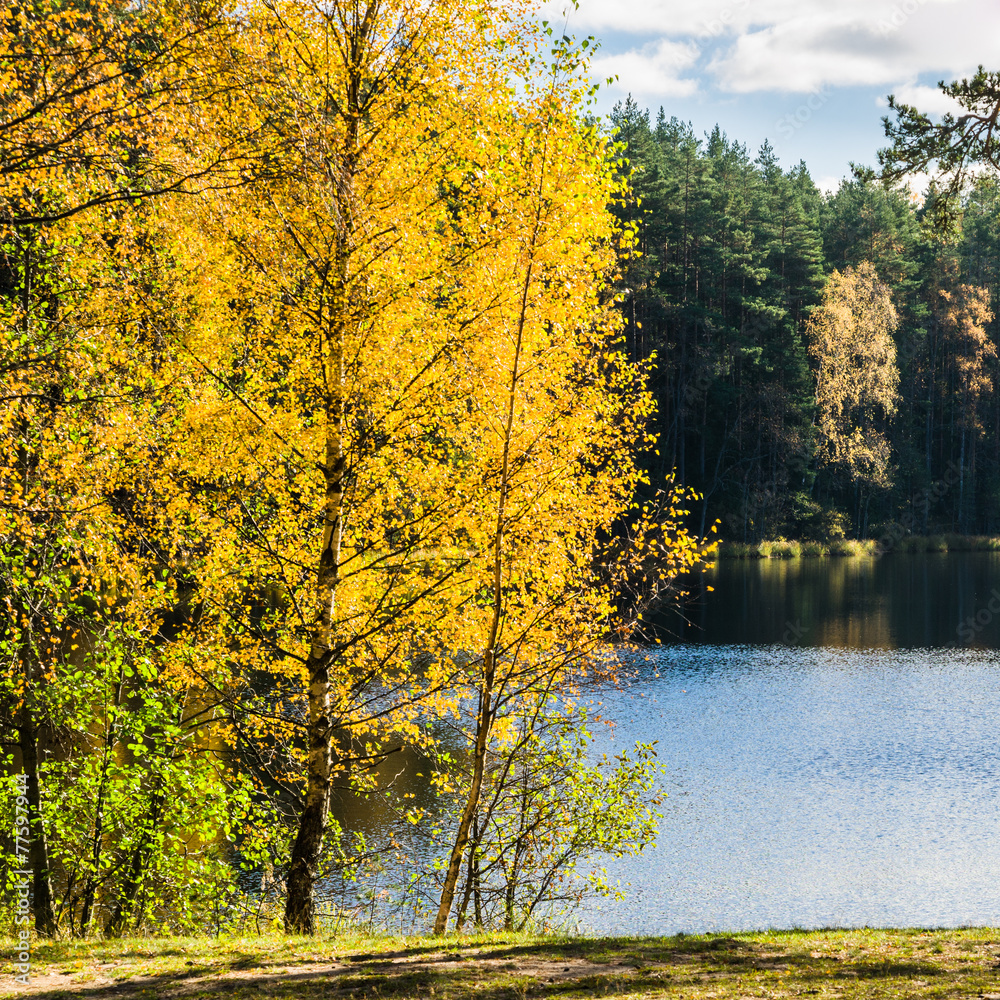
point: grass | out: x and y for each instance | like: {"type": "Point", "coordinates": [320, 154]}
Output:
{"type": "Point", "coordinates": [972, 543]}
{"type": "Point", "coordinates": [854, 547]}
{"type": "Point", "coordinates": [780, 548]}
{"type": "Point", "coordinates": [815, 549]}
{"type": "Point", "coordinates": [783, 548]}
{"type": "Point", "coordinates": [947, 543]}
{"type": "Point", "coordinates": [842, 964]}
{"type": "Point", "coordinates": [736, 550]}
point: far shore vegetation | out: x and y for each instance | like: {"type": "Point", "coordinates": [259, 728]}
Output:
{"type": "Point", "coordinates": [784, 548]}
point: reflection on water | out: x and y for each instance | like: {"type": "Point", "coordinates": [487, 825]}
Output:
{"type": "Point", "coordinates": [816, 786]}
{"type": "Point", "coordinates": [893, 602]}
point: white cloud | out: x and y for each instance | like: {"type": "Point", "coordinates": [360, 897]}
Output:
{"type": "Point", "coordinates": [799, 45]}
{"type": "Point", "coordinates": [842, 45]}
{"type": "Point", "coordinates": [804, 54]}
{"type": "Point", "coordinates": [653, 69]}
{"type": "Point", "coordinates": [701, 18]}
{"type": "Point", "coordinates": [930, 100]}
{"type": "Point", "coordinates": [660, 17]}
{"type": "Point", "coordinates": [829, 184]}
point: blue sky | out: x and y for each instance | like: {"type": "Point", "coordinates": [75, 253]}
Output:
{"type": "Point", "coordinates": [809, 75]}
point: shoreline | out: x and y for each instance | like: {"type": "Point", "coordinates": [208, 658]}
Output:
{"type": "Point", "coordinates": [784, 548]}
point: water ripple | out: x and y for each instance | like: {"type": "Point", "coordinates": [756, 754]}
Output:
{"type": "Point", "coordinates": [813, 787]}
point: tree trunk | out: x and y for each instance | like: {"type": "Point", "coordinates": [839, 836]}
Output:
{"type": "Point", "coordinates": [124, 912]}
{"type": "Point", "coordinates": [484, 723]}
{"type": "Point", "coordinates": [38, 854]}
{"type": "Point", "coordinates": [515, 868]}
{"type": "Point", "coordinates": [97, 844]}
{"type": "Point", "coordinates": [484, 718]}
{"type": "Point", "coordinates": [470, 877]}
{"type": "Point", "coordinates": [300, 905]}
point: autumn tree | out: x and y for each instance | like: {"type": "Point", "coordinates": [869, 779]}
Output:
{"type": "Point", "coordinates": [98, 103]}
{"type": "Point", "coordinates": [963, 314]}
{"type": "Point", "coordinates": [333, 437]}
{"type": "Point", "coordinates": [95, 99]}
{"type": "Point", "coordinates": [552, 618]}
{"type": "Point", "coordinates": [559, 415]}
{"type": "Point", "coordinates": [56, 556]}
{"type": "Point", "coordinates": [852, 348]}
{"type": "Point", "coordinates": [392, 289]}
{"type": "Point", "coordinates": [82, 582]}
{"type": "Point", "coordinates": [366, 218]}
{"type": "Point", "coordinates": [344, 339]}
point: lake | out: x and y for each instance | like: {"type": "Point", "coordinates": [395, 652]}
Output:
{"type": "Point", "coordinates": [830, 732]}
{"type": "Point", "coordinates": [892, 602]}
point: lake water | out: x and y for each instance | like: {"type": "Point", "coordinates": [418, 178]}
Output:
{"type": "Point", "coordinates": [830, 732]}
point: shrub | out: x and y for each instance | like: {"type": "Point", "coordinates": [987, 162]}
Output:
{"type": "Point", "coordinates": [814, 549]}
{"type": "Point", "coordinates": [852, 547]}
{"type": "Point", "coordinates": [734, 550]}
{"type": "Point", "coordinates": [782, 548]}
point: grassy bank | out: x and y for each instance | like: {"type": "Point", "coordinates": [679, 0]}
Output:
{"type": "Point", "coordinates": [783, 548]}
{"type": "Point", "coordinates": [837, 964]}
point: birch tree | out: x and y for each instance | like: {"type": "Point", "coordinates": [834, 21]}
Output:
{"type": "Point", "coordinates": [359, 411]}
{"type": "Point", "coordinates": [340, 448]}
{"type": "Point", "coordinates": [560, 414]}
{"type": "Point", "coordinates": [851, 344]}
{"type": "Point", "coordinates": [96, 100]}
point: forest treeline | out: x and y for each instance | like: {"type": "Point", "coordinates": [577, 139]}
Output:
{"type": "Point", "coordinates": [792, 411]}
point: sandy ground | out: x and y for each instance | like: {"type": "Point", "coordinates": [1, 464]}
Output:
{"type": "Point", "coordinates": [102, 981]}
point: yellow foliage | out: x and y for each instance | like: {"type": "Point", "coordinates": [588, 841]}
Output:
{"type": "Point", "coordinates": [857, 379]}
{"type": "Point", "coordinates": [963, 312]}
{"type": "Point", "coordinates": [351, 412]}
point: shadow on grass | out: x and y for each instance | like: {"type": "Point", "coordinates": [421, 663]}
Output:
{"type": "Point", "coordinates": [480, 970]}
